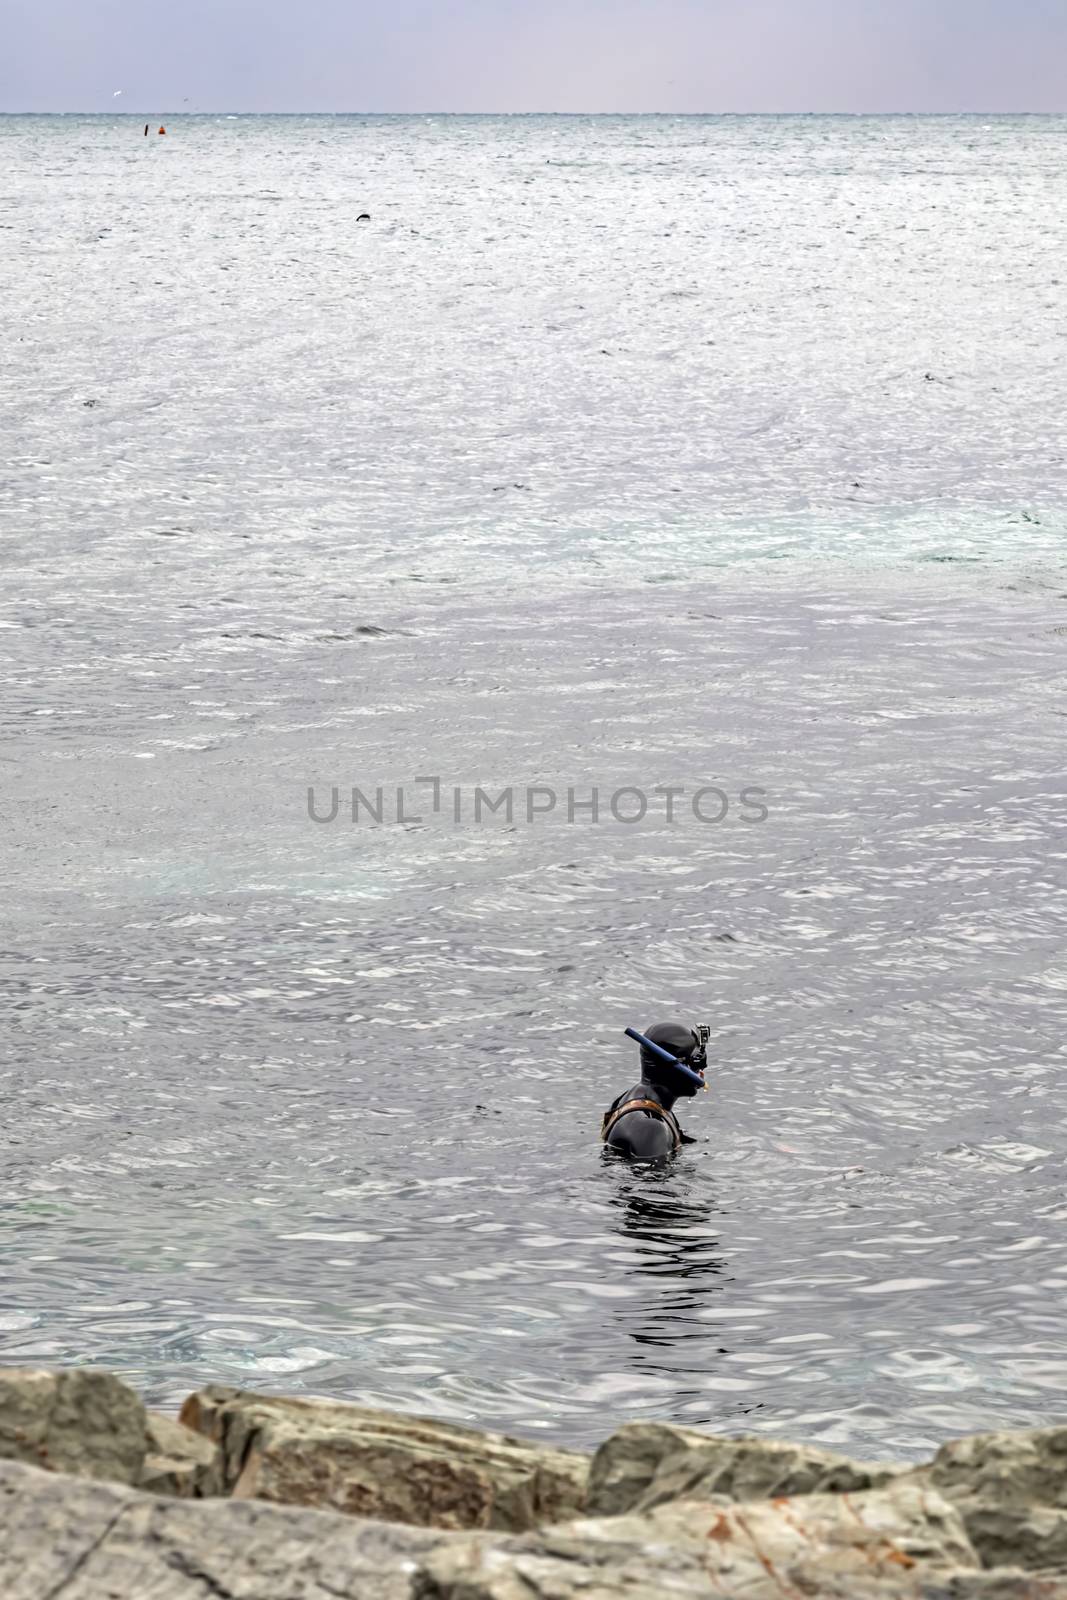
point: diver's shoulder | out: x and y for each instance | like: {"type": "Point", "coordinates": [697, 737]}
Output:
{"type": "Point", "coordinates": [638, 1092]}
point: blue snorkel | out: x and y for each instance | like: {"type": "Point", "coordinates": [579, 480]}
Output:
{"type": "Point", "coordinates": [665, 1056]}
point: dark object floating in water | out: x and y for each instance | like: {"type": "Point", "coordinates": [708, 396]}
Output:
{"type": "Point", "coordinates": [367, 629]}
{"type": "Point", "coordinates": [364, 216]}
{"type": "Point", "coordinates": [96, 402]}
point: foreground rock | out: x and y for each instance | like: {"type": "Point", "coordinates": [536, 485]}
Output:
{"type": "Point", "coordinates": [835, 1546]}
{"type": "Point", "coordinates": [660, 1511]}
{"type": "Point", "coordinates": [89, 1424]}
{"type": "Point", "coordinates": [82, 1540]}
{"type": "Point", "coordinates": [178, 1461]}
{"type": "Point", "coordinates": [379, 1464]}
{"type": "Point", "coordinates": [76, 1421]}
{"type": "Point", "coordinates": [1011, 1490]}
{"type": "Point", "coordinates": [648, 1464]}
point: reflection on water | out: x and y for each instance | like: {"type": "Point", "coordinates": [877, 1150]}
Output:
{"type": "Point", "coordinates": [673, 1242]}
{"type": "Point", "coordinates": [674, 1267]}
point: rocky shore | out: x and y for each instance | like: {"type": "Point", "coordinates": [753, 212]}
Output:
{"type": "Point", "coordinates": [254, 1497]}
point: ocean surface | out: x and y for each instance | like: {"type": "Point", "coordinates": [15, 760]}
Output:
{"type": "Point", "coordinates": [626, 454]}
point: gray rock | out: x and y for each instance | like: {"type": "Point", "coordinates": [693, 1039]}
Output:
{"type": "Point", "coordinates": [647, 1464]}
{"type": "Point", "coordinates": [1002, 1585]}
{"type": "Point", "coordinates": [179, 1462]}
{"type": "Point", "coordinates": [62, 1536]}
{"type": "Point", "coordinates": [675, 1512]}
{"type": "Point", "coordinates": [1011, 1536]}
{"type": "Point", "coordinates": [1011, 1490]}
{"type": "Point", "coordinates": [380, 1464]}
{"type": "Point", "coordinates": [834, 1546]}
{"type": "Point", "coordinates": [77, 1420]}
{"type": "Point", "coordinates": [995, 1586]}
{"type": "Point", "coordinates": [1023, 1468]}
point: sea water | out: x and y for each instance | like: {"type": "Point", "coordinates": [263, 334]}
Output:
{"type": "Point", "coordinates": [694, 490]}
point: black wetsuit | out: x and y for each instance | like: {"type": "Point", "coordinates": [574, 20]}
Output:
{"type": "Point", "coordinates": [650, 1131]}
{"type": "Point", "coordinates": [644, 1134]}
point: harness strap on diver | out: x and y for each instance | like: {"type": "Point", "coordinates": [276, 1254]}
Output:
{"type": "Point", "coordinates": [651, 1106]}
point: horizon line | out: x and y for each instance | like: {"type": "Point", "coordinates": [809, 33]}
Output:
{"type": "Point", "coordinates": [224, 111]}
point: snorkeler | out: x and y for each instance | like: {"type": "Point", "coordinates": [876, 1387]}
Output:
{"type": "Point", "coordinates": [641, 1123]}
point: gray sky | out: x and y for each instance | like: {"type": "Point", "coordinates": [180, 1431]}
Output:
{"type": "Point", "coordinates": [534, 55]}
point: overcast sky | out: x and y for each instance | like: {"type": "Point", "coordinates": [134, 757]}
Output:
{"type": "Point", "coordinates": [534, 55]}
